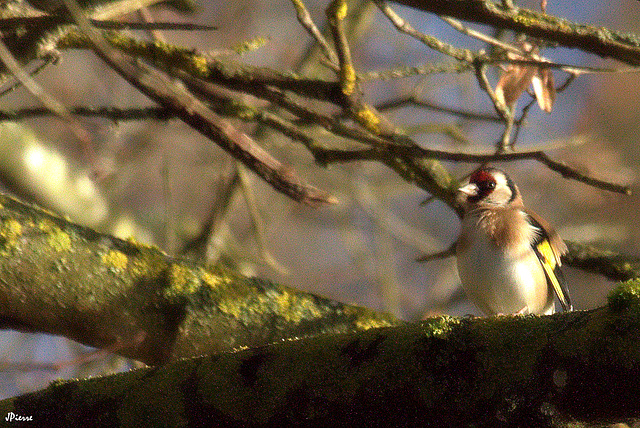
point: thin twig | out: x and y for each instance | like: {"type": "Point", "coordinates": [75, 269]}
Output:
{"type": "Point", "coordinates": [84, 358]}
{"type": "Point", "coordinates": [47, 100]}
{"type": "Point", "coordinates": [241, 77]}
{"type": "Point", "coordinates": [418, 70]}
{"type": "Point", "coordinates": [12, 84]}
{"type": "Point", "coordinates": [189, 109]}
{"type": "Point", "coordinates": [44, 21]}
{"type": "Point", "coordinates": [458, 26]}
{"type": "Point", "coordinates": [503, 110]}
{"type": "Point", "coordinates": [483, 81]}
{"type": "Point", "coordinates": [224, 195]}
{"type": "Point", "coordinates": [307, 22]}
{"type": "Point", "coordinates": [432, 42]}
{"type": "Point", "coordinates": [612, 265]}
{"type": "Point", "coordinates": [567, 172]}
{"type": "Point", "coordinates": [147, 17]}
{"type": "Point", "coordinates": [328, 156]}
{"type": "Point", "coordinates": [352, 99]}
{"type": "Point", "coordinates": [112, 113]}
{"type": "Point", "coordinates": [413, 100]}
{"type": "Point", "coordinates": [256, 221]}
{"type": "Point", "coordinates": [336, 13]}
{"type": "Point", "coordinates": [519, 123]}
{"type": "Point", "coordinates": [568, 68]}
{"type": "Point", "coordinates": [389, 221]}
{"type": "Point", "coordinates": [598, 41]}
{"type": "Point", "coordinates": [282, 99]}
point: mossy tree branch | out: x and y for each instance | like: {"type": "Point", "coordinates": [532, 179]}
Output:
{"type": "Point", "coordinates": [63, 279]}
{"type": "Point", "coordinates": [509, 371]}
{"type": "Point", "coordinates": [613, 265]}
{"type": "Point", "coordinates": [413, 163]}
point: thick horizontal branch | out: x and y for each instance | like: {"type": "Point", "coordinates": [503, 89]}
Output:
{"type": "Point", "coordinates": [599, 41]}
{"type": "Point", "coordinates": [63, 279]}
{"type": "Point", "coordinates": [613, 265]}
{"type": "Point", "coordinates": [509, 371]}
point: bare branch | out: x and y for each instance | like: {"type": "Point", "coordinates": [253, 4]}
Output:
{"type": "Point", "coordinates": [418, 70]}
{"type": "Point", "coordinates": [112, 113]}
{"type": "Point", "coordinates": [241, 77]}
{"type": "Point", "coordinates": [613, 265]}
{"type": "Point", "coordinates": [256, 221]}
{"type": "Point", "coordinates": [52, 104]}
{"type": "Point", "coordinates": [432, 42]}
{"type": "Point", "coordinates": [337, 155]}
{"type": "Point", "coordinates": [567, 172]}
{"type": "Point", "coordinates": [480, 36]}
{"type": "Point", "coordinates": [189, 109]}
{"type": "Point", "coordinates": [352, 100]}
{"type": "Point", "coordinates": [305, 20]}
{"type": "Point", "coordinates": [30, 22]}
{"type": "Point", "coordinates": [599, 41]}
{"type": "Point", "coordinates": [503, 110]}
{"type": "Point", "coordinates": [413, 100]}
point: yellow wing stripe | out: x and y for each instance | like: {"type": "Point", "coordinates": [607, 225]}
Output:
{"type": "Point", "coordinates": [548, 261]}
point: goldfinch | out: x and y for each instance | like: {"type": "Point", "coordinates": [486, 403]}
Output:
{"type": "Point", "coordinates": [508, 257]}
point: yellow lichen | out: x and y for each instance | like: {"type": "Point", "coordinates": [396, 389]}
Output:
{"type": "Point", "coordinates": [366, 321]}
{"type": "Point", "coordinates": [293, 307]}
{"type": "Point", "coordinates": [439, 326]}
{"type": "Point", "coordinates": [341, 9]}
{"type": "Point", "coordinates": [57, 239]}
{"type": "Point", "coordinates": [115, 259]}
{"type": "Point", "coordinates": [183, 280]}
{"type": "Point", "coordinates": [11, 228]}
{"type": "Point", "coordinates": [200, 65]}
{"type": "Point", "coordinates": [250, 45]}
{"type": "Point", "coordinates": [147, 264]}
{"type": "Point", "coordinates": [364, 318]}
{"type": "Point", "coordinates": [141, 245]}
{"type": "Point", "coordinates": [231, 307]}
{"type": "Point", "coordinates": [10, 231]}
{"type": "Point", "coordinates": [211, 279]}
{"type": "Point", "coordinates": [348, 79]}
{"type": "Point", "coordinates": [369, 120]}
{"type": "Point", "coordinates": [60, 240]}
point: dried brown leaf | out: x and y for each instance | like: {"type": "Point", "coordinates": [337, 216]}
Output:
{"type": "Point", "coordinates": [513, 82]}
{"type": "Point", "coordinates": [518, 77]}
{"type": "Point", "coordinates": [545, 89]}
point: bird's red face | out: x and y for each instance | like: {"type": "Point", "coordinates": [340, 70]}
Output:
{"type": "Point", "coordinates": [487, 186]}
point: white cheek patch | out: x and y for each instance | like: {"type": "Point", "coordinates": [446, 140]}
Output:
{"type": "Point", "coordinates": [503, 192]}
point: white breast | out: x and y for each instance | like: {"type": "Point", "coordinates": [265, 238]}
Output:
{"type": "Point", "coordinates": [500, 282]}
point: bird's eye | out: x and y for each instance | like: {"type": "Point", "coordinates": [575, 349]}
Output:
{"type": "Point", "coordinates": [486, 183]}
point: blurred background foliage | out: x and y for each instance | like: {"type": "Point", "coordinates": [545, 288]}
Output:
{"type": "Point", "coordinates": [160, 182]}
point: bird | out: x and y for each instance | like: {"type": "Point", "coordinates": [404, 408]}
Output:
{"type": "Point", "coordinates": [508, 257]}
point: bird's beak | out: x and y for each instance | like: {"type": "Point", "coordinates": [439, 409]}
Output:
{"type": "Point", "coordinates": [469, 189]}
